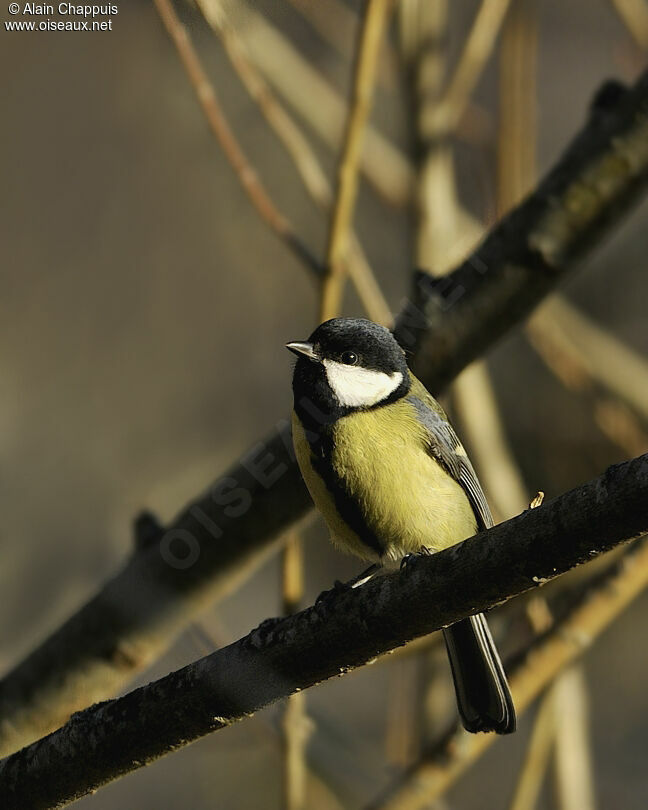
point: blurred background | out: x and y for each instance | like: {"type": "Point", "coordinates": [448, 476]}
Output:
{"type": "Point", "coordinates": [145, 306]}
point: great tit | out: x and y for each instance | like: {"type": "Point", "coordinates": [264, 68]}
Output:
{"type": "Point", "coordinates": [388, 473]}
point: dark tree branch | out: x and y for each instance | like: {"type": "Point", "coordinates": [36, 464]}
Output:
{"type": "Point", "coordinates": [341, 632]}
{"type": "Point", "coordinates": [546, 657]}
{"type": "Point", "coordinates": [522, 259]}
{"type": "Point", "coordinates": [208, 550]}
{"type": "Point", "coordinates": [218, 540]}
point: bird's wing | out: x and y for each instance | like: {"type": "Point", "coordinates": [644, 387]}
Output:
{"type": "Point", "coordinates": [445, 447]}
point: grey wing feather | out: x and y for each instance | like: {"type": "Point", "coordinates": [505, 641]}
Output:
{"type": "Point", "coordinates": [445, 446]}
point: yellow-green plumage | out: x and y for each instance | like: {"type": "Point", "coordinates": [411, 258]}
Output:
{"type": "Point", "coordinates": [408, 500]}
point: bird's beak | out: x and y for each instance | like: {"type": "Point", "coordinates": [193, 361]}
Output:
{"type": "Point", "coordinates": [302, 348]}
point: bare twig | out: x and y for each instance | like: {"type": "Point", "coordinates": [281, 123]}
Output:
{"type": "Point", "coordinates": [599, 355]}
{"type": "Point", "coordinates": [239, 521]}
{"type": "Point", "coordinates": [246, 174]}
{"type": "Point", "coordinates": [371, 35]}
{"type": "Point", "coordinates": [476, 51]}
{"type": "Point", "coordinates": [445, 233]}
{"type": "Point", "coordinates": [516, 142]}
{"type": "Point", "coordinates": [336, 24]}
{"type": "Point", "coordinates": [443, 765]}
{"type": "Point", "coordinates": [344, 631]}
{"type": "Point", "coordinates": [403, 713]}
{"type": "Point", "coordinates": [301, 152]}
{"type": "Point", "coordinates": [574, 773]}
{"type": "Point", "coordinates": [476, 406]}
{"type": "Point", "coordinates": [366, 284]}
{"type": "Point", "coordinates": [443, 230]}
{"type": "Point", "coordinates": [292, 573]}
{"type": "Point", "coordinates": [295, 724]}
{"type": "Point", "coordinates": [317, 102]}
{"type": "Point", "coordinates": [634, 14]}
{"type": "Point", "coordinates": [574, 368]}
{"type": "Point", "coordinates": [621, 426]}
{"type": "Point", "coordinates": [536, 759]}
{"type": "Point", "coordinates": [291, 136]}
{"type": "Point", "coordinates": [296, 729]}
{"type": "Point", "coordinates": [473, 391]}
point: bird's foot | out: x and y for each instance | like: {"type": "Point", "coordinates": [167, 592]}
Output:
{"type": "Point", "coordinates": [409, 559]}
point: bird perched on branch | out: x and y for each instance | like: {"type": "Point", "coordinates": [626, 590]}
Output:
{"type": "Point", "coordinates": [388, 473]}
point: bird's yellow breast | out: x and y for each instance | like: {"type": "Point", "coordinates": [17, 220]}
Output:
{"type": "Point", "coordinates": [407, 500]}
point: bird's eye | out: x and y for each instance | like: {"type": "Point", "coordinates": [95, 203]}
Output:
{"type": "Point", "coordinates": [349, 358]}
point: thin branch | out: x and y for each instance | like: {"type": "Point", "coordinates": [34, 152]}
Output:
{"type": "Point", "coordinates": [621, 426]}
{"type": "Point", "coordinates": [283, 125]}
{"type": "Point", "coordinates": [444, 236]}
{"type": "Point", "coordinates": [366, 284]}
{"type": "Point", "coordinates": [574, 772]}
{"type": "Point", "coordinates": [517, 106]}
{"type": "Point", "coordinates": [447, 762]}
{"type": "Point", "coordinates": [339, 633]}
{"type": "Point", "coordinates": [292, 574]}
{"type": "Point", "coordinates": [403, 712]}
{"type": "Point", "coordinates": [571, 364]}
{"type": "Point", "coordinates": [476, 51]}
{"type": "Point", "coordinates": [219, 125]}
{"type": "Point", "coordinates": [240, 520]}
{"type": "Point", "coordinates": [474, 395]}
{"type": "Point", "coordinates": [372, 32]}
{"type": "Point", "coordinates": [316, 101]}
{"type": "Point", "coordinates": [295, 724]}
{"type": "Point", "coordinates": [537, 756]}
{"type": "Point", "coordinates": [634, 14]}
{"type": "Point", "coordinates": [335, 22]}
{"type": "Point", "coordinates": [296, 729]}
{"type": "Point", "coordinates": [480, 420]}
{"type": "Point", "coordinates": [300, 151]}
{"type": "Point", "coordinates": [600, 355]}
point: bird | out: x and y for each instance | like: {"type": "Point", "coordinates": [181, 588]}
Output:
{"type": "Point", "coordinates": [391, 478]}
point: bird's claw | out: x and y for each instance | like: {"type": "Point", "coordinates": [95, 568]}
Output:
{"type": "Point", "coordinates": [410, 558]}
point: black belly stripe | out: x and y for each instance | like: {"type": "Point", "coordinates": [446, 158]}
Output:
{"type": "Point", "coordinates": [321, 444]}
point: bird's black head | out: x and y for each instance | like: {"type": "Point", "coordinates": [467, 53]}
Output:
{"type": "Point", "coordinates": [348, 364]}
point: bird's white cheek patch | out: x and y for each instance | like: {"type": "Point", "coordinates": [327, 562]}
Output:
{"type": "Point", "coordinates": [356, 387]}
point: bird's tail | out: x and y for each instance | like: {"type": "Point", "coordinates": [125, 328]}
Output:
{"type": "Point", "coordinates": [483, 694]}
